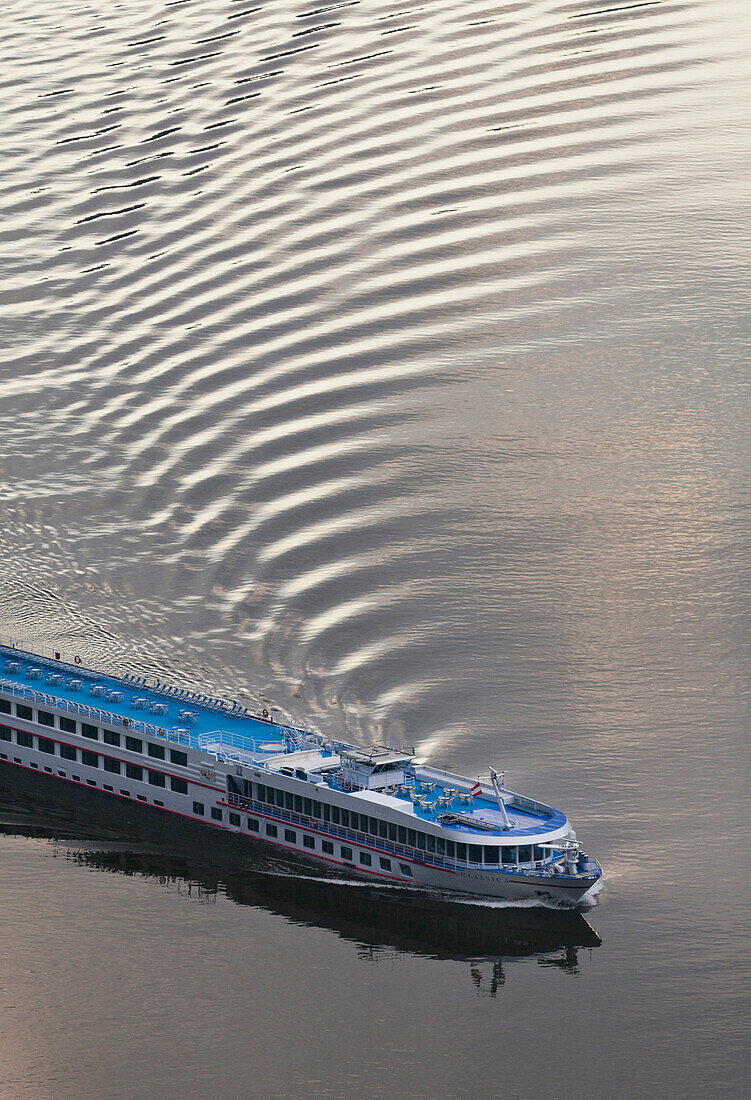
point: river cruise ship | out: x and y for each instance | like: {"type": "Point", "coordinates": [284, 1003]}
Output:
{"type": "Point", "coordinates": [170, 753]}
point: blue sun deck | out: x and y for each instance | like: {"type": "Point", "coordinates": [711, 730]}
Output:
{"type": "Point", "coordinates": [441, 799]}
{"type": "Point", "coordinates": [183, 716]}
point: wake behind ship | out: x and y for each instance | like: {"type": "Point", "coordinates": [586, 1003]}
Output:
{"type": "Point", "coordinates": [195, 762]}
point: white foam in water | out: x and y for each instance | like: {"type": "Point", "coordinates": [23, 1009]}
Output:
{"type": "Point", "coordinates": [589, 900]}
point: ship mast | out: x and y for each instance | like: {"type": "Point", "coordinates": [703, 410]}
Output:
{"type": "Point", "coordinates": [501, 805]}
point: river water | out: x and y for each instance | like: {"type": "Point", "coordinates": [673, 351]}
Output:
{"type": "Point", "coordinates": [389, 362]}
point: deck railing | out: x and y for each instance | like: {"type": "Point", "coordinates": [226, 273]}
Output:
{"type": "Point", "coordinates": [83, 710]}
{"type": "Point", "coordinates": [388, 847]}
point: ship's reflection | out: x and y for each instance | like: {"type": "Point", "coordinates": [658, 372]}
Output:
{"type": "Point", "coordinates": [376, 919]}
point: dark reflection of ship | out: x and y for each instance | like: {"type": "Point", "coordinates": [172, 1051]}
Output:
{"type": "Point", "coordinates": [376, 919]}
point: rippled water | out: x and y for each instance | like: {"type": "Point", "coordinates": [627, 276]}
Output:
{"type": "Point", "coordinates": [392, 362]}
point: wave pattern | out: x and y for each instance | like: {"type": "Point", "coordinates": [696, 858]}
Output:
{"type": "Point", "coordinates": [293, 295]}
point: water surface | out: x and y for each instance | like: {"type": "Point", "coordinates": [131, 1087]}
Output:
{"type": "Point", "coordinates": [389, 362]}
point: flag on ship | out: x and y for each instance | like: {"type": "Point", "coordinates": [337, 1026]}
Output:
{"type": "Point", "coordinates": [477, 789]}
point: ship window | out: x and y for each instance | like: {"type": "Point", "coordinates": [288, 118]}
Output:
{"type": "Point", "coordinates": [440, 846]}
{"type": "Point", "coordinates": [261, 792]}
{"type": "Point", "coordinates": [508, 855]}
{"type": "Point", "coordinates": [89, 758]}
{"type": "Point", "coordinates": [309, 841]}
{"type": "Point", "coordinates": [385, 863]}
{"type": "Point", "coordinates": [157, 751]}
{"type": "Point", "coordinates": [422, 841]}
{"type": "Point", "coordinates": [91, 782]}
{"type": "Point", "coordinates": [298, 803]}
{"type": "Point", "coordinates": [280, 799]}
{"type": "Point", "coordinates": [405, 869]}
{"type": "Point", "coordinates": [307, 807]}
{"type": "Point", "coordinates": [4, 706]}
{"type": "Point", "coordinates": [450, 849]}
{"type": "Point", "coordinates": [36, 766]}
{"type": "Point", "coordinates": [383, 829]}
{"type": "Point", "coordinates": [253, 824]}
{"type": "Point", "coordinates": [198, 808]}
{"type": "Point", "coordinates": [461, 851]}
{"type": "Point", "coordinates": [345, 818]}
{"type": "Point", "coordinates": [23, 711]}
{"type": "Point", "coordinates": [157, 779]}
{"type": "Point", "coordinates": [89, 731]}
{"type": "Point", "coordinates": [412, 838]}
{"type": "Point", "coordinates": [271, 830]}
{"type": "Point", "coordinates": [317, 809]}
{"type": "Point", "coordinates": [25, 739]}
{"type": "Point", "coordinates": [142, 798]}
{"type": "Point", "coordinates": [431, 843]}
{"type": "Point", "coordinates": [525, 853]}
{"type": "Point", "coordinates": [538, 852]}
{"type": "Point", "coordinates": [216, 813]}
{"type": "Point", "coordinates": [180, 786]}
{"type": "Point", "coordinates": [45, 717]}
{"type": "Point", "coordinates": [491, 853]}
{"type": "Point", "coordinates": [475, 853]}
{"type": "Point", "coordinates": [326, 811]}
{"type": "Point", "coordinates": [366, 859]}
{"type": "Point", "coordinates": [178, 757]}
{"type": "Point", "coordinates": [67, 724]}
{"type": "Point", "coordinates": [111, 765]}
{"type": "Point", "coordinates": [289, 801]}
{"type": "Point", "coordinates": [126, 793]}
{"type": "Point", "coordinates": [402, 835]}
{"type": "Point", "coordinates": [105, 785]}
{"type": "Point", "coordinates": [134, 744]}
{"type": "Point", "coordinates": [346, 853]}
{"type": "Point", "coordinates": [335, 814]}
{"type": "Point", "coordinates": [158, 802]}
{"type": "Point", "coordinates": [111, 738]}
{"type": "Point", "coordinates": [134, 772]}
{"type": "Point", "coordinates": [327, 847]}
{"type": "Point", "coordinates": [373, 826]}
{"type": "Point", "coordinates": [46, 746]}
{"type": "Point", "coordinates": [290, 836]}
{"type": "Point", "coordinates": [6, 734]}
{"type": "Point", "coordinates": [235, 819]}
{"type": "Point", "coordinates": [392, 831]}
{"type": "Point", "coordinates": [68, 752]}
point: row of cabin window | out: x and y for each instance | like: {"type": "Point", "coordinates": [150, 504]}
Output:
{"type": "Point", "coordinates": [92, 760]}
{"type": "Point", "coordinates": [493, 855]}
{"type": "Point", "coordinates": [327, 846]}
{"type": "Point", "coordinates": [90, 782]}
{"type": "Point", "coordinates": [309, 842]}
{"type": "Point", "coordinates": [110, 737]}
{"type": "Point", "coordinates": [216, 813]}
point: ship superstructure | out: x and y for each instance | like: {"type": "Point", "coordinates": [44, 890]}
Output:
{"type": "Point", "coordinates": [373, 812]}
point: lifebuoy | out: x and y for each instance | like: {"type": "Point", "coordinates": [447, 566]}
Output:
{"type": "Point", "coordinates": [265, 713]}
{"type": "Point", "coordinates": [78, 659]}
{"type": "Point", "coordinates": [161, 732]}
